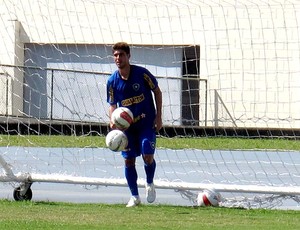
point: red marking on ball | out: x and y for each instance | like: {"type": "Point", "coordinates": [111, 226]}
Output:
{"type": "Point", "coordinates": [206, 201]}
{"type": "Point", "coordinates": [126, 117]}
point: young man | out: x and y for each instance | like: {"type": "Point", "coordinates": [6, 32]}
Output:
{"type": "Point", "coordinates": [132, 86]}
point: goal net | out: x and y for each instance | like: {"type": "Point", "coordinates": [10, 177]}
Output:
{"type": "Point", "coordinates": [225, 68]}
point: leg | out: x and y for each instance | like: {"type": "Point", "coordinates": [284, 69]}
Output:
{"type": "Point", "coordinates": [131, 176]}
{"type": "Point", "coordinates": [148, 149]}
{"type": "Point", "coordinates": [149, 166]}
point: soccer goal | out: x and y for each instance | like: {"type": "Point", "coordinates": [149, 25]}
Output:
{"type": "Point", "coordinates": [226, 69]}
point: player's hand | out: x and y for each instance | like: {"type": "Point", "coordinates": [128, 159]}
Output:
{"type": "Point", "coordinates": [111, 125]}
{"type": "Point", "coordinates": [158, 124]}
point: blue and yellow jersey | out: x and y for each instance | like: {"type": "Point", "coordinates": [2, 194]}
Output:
{"type": "Point", "coordinates": [134, 93]}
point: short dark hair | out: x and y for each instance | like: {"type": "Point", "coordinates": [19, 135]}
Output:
{"type": "Point", "coordinates": [121, 46]}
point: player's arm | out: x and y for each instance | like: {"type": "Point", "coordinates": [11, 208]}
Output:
{"type": "Point", "coordinates": [110, 111]}
{"type": "Point", "coordinates": [158, 102]}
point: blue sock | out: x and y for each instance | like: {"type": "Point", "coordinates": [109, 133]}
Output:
{"type": "Point", "coordinates": [131, 177]}
{"type": "Point", "coordinates": [150, 170]}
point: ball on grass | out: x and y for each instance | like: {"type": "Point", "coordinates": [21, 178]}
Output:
{"type": "Point", "coordinates": [209, 197]}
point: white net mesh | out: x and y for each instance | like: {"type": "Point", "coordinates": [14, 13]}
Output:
{"type": "Point", "coordinates": [225, 68]}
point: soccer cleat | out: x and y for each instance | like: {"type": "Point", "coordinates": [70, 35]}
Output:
{"type": "Point", "coordinates": [150, 193]}
{"type": "Point", "coordinates": [134, 201]}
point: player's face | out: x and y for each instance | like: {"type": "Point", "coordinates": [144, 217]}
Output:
{"type": "Point", "coordinates": [121, 58]}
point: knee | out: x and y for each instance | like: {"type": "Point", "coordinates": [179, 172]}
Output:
{"type": "Point", "coordinates": [130, 162]}
{"type": "Point", "coordinates": [148, 159]}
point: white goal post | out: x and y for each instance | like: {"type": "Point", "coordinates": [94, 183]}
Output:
{"type": "Point", "coordinates": [244, 178]}
{"type": "Point", "coordinates": [221, 65]}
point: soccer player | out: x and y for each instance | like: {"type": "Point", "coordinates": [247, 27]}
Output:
{"type": "Point", "coordinates": [133, 87]}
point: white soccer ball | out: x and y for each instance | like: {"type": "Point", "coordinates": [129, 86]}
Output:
{"type": "Point", "coordinates": [209, 197]}
{"type": "Point", "coordinates": [122, 118]}
{"type": "Point", "coordinates": [116, 140]}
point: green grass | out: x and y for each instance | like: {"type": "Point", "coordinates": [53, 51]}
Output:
{"type": "Point", "coordinates": [172, 143]}
{"type": "Point", "coordinates": [57, 215]}
{"type": "Point", "coordinates": [51, 215]}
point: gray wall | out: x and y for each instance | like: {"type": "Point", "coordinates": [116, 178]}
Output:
{"type": "Point", "coordinates": [82, 96]}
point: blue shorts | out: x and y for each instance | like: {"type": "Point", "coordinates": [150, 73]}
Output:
{"type": "Point", "coordinates": [141, 140]}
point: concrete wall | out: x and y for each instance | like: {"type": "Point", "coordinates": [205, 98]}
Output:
{"type": "Point", "coordinates": [12, 41]}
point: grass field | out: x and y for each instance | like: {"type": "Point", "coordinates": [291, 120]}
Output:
{"type": "Point", "coordinates": [56, 215]}
{"type": "Point", "coordinates": [172, 143]}
{"type": "Point", "coordinates": [49, 215]}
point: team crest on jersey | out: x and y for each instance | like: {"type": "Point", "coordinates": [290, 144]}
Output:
{"type": "Point", "coordinates": [136, 86]}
